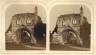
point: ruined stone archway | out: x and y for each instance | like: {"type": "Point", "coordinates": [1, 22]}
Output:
{"type": "Point", "coordinates": [70, 36]}
{"type": "Point", "coordinates": [24, 35]}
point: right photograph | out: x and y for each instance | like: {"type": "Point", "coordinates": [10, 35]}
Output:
{"type": "Point", "coordinates": [70, 28]}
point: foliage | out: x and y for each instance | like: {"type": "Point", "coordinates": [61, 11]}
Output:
{"type": "Point", "coordinates": [85, 30]}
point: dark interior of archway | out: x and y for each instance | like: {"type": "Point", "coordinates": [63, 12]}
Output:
{"type": "Point", "coordinates": [68, 37]}
{"type": "Point", "coordinates": [23, 36]}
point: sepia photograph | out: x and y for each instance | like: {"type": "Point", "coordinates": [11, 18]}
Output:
{"type": "Point", "coordinates": [25, 27]}
{"type": "Point", "coordinates": [70, 28]}
{"type": "Point", "coordinates": [47, 27]}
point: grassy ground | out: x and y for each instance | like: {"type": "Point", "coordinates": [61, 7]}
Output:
{"type": "Point", "coordinates": [20, 46]}
{"type": "Point", "coordinates": [67, 47]}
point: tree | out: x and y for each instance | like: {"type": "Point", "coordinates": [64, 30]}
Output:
{"type": "Point", "coordinates": [85, 30]}
{"type": "Point", "coordinates": [40, 30]}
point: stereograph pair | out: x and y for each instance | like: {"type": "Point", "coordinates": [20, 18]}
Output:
{"type": "Point", "coordinates": [25, 27]}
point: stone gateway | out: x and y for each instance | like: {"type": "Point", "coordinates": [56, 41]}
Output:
{"type": "Point", "coordinates": [68, 28]}
{"type": "Point", "coordinates": [22, 27]}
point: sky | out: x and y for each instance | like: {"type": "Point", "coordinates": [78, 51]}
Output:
{"type": "Point", "coordinates": [58, 10]}
{"type": "Point", "coordinates": [23, 8]}
{"type": "Point", "coordinates": [55, 12]}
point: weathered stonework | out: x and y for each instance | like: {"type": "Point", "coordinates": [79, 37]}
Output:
{"type": "Point", "coordinates": [70, 23]}
{"type": "Point", "coordinates": [24, 22]}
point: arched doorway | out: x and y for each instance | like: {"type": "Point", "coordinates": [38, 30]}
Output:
{"type": "Point", "coordinates": [23, 35]}
{"type": "Point", "coordinates": [69, 36]}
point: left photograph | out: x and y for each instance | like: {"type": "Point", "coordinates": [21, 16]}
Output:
{"type": "Point", "coordinates": [25, 27]}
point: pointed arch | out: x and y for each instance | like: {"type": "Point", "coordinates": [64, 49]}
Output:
{"type": "Point", "coordinates": [18, 21]}
{"type": "Point", "coordinates": [74, 21]}
{"type": "Point", "coordinates": [64, 22]}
